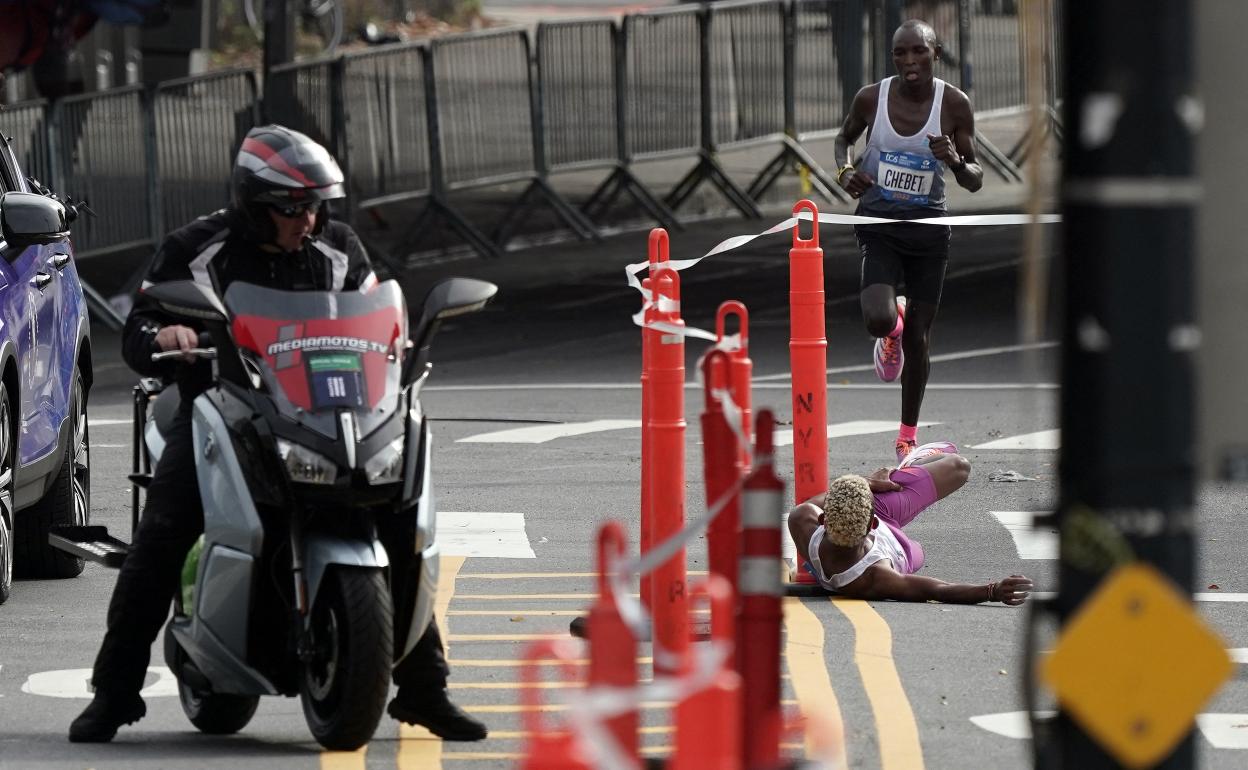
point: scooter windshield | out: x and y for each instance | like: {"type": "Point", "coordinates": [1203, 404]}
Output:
{"type": "Point", "coordinates": [319, 352]}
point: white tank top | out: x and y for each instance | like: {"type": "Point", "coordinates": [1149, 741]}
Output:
{"type": "Point", "coordinates": [884, 546]}
{"type": "Point", "coordinates": [907, 175]}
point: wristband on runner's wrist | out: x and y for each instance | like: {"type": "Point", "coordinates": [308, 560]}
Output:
{"type": "Point", "coordinates": [840, 172]}
{"type": "Point", "coordinates": [992, 592]}
{"type": "Point", "coordinates": [957, 169]}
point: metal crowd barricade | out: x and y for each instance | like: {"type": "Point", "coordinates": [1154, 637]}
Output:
{"type": "Point", "coordinates": [580, 75]}
{"type": "Point", "coordinates": [488, 125]}
{"type": "Point", "coordinates": [831, 61]}
{"type": "Point", "coordinates": [100, 152]}
{"type": "Point", "coordinates": [199, 124]}
{"type": "Point", "coordinates": [386, 126]}
{"type": "Point", "coordinates": [752, 98]}
{"type": "Point", "coordinates": [26, 124]}
{"type": "Point", "coordinates": [668, 96]}
{"type": "Point", "coordinates": [307, 97]}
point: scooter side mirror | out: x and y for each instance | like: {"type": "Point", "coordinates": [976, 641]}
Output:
{"type": "Point", "coordinates": [447, 299]}
{"type": "Point", "coordinates": [188, 299]}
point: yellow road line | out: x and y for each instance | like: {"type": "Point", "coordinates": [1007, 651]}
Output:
{"type": "Point", "coordinates": [587, 596]}
{"type": "Point", "coordinates": [547, 613]}
{"type": "Point", "coordinates": [503, 637]}
{"type": "Point", "coordinates": [343, 760]}
{"type": "Point", "coordinates": [803, 649]}
{"type": "Point", "coordinates": [420, 749]}
{"type": "Point", "coordinates": [501, 663]}
{"type": "Point", "coordinates": [895, 727]}
{"type": "Point", "coordinates": [520, 708]}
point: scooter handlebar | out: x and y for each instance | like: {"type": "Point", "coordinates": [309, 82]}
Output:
{"type": "Point", "coordinates": [165, 355]}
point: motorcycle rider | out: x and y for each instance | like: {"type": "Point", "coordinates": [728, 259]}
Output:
{"type": "Point", "coordinates": [277, 234]}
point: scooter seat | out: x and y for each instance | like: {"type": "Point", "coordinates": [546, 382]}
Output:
{"type": "Point", "coordinates": [165, 408]}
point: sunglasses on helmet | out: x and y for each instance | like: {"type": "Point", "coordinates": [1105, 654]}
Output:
{"type": "Point", "coordinates": [297, 209]}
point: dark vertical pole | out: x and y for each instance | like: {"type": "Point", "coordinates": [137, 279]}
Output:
{"type": "Point", "coordinates": [704, 79]}
{"type": "Point", "coordinates": [279, 35]}
{"type": "Point", "coordinates": [788, 13]}
{"type": "Point", "coordinates": [966, 83]}
{"type": "Point", "coordinates": [1128, 340]}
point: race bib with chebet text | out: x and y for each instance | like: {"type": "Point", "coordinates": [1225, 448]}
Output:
{"type": "Point", "coordinates": [905, 177]}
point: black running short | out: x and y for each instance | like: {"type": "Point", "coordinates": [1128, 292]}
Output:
{"type": "Point", "coordinates": [910, 258]}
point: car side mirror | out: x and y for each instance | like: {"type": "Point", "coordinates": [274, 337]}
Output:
{"type": "Point", "coordinates": [188, 299]}
{"type": "Point", "coordinates": [28, 219]}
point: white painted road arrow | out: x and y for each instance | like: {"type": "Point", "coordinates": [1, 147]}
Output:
{"type": "Point", "coordinates": [540, 434]}
{"type": "Point", "coordinates": [1045, 439]}
{"type": "Point", "coordinates": [1224, 731]}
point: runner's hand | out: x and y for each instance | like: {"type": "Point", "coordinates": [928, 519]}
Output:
{"type": "Point", "coordinates": [942, 148]}
{"type": "Point", "coordinates": [858, 183]}
{"type": "Point", "coordinates": [880, 482]}
{"type": "Point", "coordinates": [177, 337]}
{"type": "Point", "coordinates": [1013, 590]}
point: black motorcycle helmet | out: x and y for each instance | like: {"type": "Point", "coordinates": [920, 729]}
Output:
{"type": "Point", "coordinates": [280, 167]}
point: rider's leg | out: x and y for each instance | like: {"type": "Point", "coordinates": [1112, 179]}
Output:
{"type": "Point", "coordinates": [172, 519]}
{"type": "Point", "coordinates": [421, 675]}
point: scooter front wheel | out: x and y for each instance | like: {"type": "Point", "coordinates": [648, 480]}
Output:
{"type": "Point", "coordinates": [344, 685]}
{"type": "Point", "coordinates": [214, 713]}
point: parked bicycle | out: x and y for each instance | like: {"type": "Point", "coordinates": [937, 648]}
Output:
{"type": "Point", "coordinates": [324, 19]}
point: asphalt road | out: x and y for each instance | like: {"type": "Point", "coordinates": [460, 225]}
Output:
{"type": "Point", "coordinates": [905, 680]}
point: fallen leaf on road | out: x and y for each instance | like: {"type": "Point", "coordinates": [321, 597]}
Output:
{"type": "Point", "coordinates": [1002, 671]}
{"type": "Point", "coordinates": [1000, 475]}
{"type": "Point", "coordinates": [1214, 587]}
{"type": "Point", "coordinates": [517, 619]}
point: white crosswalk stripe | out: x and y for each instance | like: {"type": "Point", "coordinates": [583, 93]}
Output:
{"type": "Point", "coordinates": [1031, 543]}
{"type": "Point", "coordinates": [1045, 439]}
{"type": "Point", "coordinates": [540, 434]}
{"type": "Point", "coordinates": [1224, 731]}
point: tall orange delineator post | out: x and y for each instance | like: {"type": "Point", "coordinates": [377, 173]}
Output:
{"type": "Point", "coordinates": [762, 590]}
{"type": "Point", "coordinates": [612, 648]}
{"type": "Point", "coordinates": [721, 462]}
{"type": "Point", "coordinates": [708, 722]}
{"type": "Point", "coordinates": [808, 360]}
{"type": "Point", "coordinates": [547, 749]}
{"type": "Point", "coordinates": [741, 368]}
{"type": "Point", "coordinates": [666, 426]}
{"type": "Point", "coordinates": [658, 253]}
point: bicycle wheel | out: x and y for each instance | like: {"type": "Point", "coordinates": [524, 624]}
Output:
{"type": "Point", "coordinates": [326, 20]}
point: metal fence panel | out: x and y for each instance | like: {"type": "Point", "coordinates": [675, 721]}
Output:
{"type": "Point", "coordinates": [663, 90]}
{"type": "Point", "coordinates": [386, 125]}
{"type": "Point", "coordinates": [301, 96]}
{"type": "Point", "coordinates": [576, 75]}
{"type": "Point", "coordinates": [101, 155]}
{"type": "Point", "coordinates": [26, 124]}
{"type": "Point", "coordinates": [200, 123]}
{"type": "Point", "coordinates": [485, 114]}
{"type": "Point", "coordinates": [747, 70]}
{"type": "Point", "coordinates": [998, 57]}
{"type": "Point", "coordinates": [832, 60]}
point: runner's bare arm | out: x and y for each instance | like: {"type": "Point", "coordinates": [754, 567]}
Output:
{"type": "Point", "coordinates": [855, 182]}
{"type": "Point", "coordinates": [881, 582]}
{"type": "Point", "coordinates": [956, 146]}
{"type": "Point", "coordinates": [803, 521]}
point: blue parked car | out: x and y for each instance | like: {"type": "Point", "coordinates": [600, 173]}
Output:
{"type": "Point", "coordinates": [45, 375]}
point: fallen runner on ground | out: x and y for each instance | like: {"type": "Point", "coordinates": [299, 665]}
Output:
{"type": "Point", "coordinates": [852, 534]}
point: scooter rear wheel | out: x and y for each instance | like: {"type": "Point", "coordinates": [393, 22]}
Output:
{"type": "Point", "coordinates": [344, 686]}
{"type": "Point", "coordinates": [217, 714]}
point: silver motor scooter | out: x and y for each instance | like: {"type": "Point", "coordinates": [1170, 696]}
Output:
{"type": "Point", "coordinates": [310, 441]}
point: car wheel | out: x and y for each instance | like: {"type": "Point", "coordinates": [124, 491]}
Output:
{"type": "Point", "coordinates": [6, 495]}
{"type": "Point", "coordinates": [67, 503]}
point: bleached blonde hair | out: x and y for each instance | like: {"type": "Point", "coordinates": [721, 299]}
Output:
{"type": "Point", "coordinates": [847, 508]}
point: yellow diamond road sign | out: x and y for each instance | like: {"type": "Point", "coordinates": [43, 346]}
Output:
{"type": "Point", "coordinates": [1136, 664]}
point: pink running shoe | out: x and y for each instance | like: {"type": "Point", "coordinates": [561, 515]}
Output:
{"type": "Point", "coordinates": [905, 448]}
{"type": "Point", "coordinates": [919, 452]}
{"type": "Point", "coordinates": [889, 358]}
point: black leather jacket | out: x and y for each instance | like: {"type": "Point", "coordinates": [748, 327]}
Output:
{"type": "Point", "coordinates": [215, 250]}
